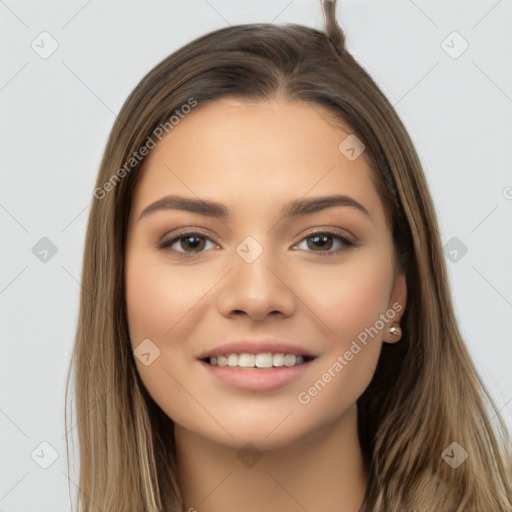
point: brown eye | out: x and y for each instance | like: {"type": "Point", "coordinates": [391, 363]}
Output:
{"type": "Point", "coordinates": [323, 240]}
{"type": "Point", "coordinates": [190, 243]}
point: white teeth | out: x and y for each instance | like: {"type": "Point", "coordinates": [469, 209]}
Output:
{"type": "Point", "coordinates": [262, 360]}
{"type": "Point", "coordinates": [289, 360]}
{"type": "Point", "coordinates": [245, 360]}
{"type": "Point", "coordinates": [278, 359]}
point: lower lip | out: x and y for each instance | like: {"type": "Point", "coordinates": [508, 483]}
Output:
{"type": "Point", "coordinates": [256, 379]}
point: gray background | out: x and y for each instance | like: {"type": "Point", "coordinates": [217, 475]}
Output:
{"type": "Point", "coordinates": [57, 113]}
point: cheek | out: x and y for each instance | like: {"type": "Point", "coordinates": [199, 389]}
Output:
{"type": "Point", "coordinates": [351, 298]}
{"type": "Point", "coordinates": [157, 306]}
{"type": "Point", "coordinates": [164, 305]}
{"type": "Point", "coordinates": [158, 297]}
{"type": "Point", "coordinates": [352, 303]}
{"type": "Point", "coordinates": [144, 300]}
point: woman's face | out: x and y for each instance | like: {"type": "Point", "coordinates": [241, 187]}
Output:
{"type": "Point", "coordinates": [254, 271]}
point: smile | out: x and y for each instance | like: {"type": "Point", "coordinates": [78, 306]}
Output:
{"type": "Point", "coordinates": [265, 371]}
{"type": "Point", "coordinates": [261, 360]}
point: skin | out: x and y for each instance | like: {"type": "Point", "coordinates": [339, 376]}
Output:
{"type": "Point", "coordinates": [254, 157]}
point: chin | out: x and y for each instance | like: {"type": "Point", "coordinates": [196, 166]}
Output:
{"type": "Point", "coordinates": [264, 434]}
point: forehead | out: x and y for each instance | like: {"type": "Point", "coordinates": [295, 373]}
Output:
{"type": "Point", "coordinates": [256, 153]}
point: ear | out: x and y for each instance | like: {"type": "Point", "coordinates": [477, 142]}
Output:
{"type": "Point", "coordinates": [397, 303]}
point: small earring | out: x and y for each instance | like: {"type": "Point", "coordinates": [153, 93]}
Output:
{"type": "Point", "coordinates": [395, 331]}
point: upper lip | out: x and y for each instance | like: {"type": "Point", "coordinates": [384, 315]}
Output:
{"type": "Point", "coordinates": [256, 347]}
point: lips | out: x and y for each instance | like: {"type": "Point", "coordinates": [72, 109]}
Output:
{"type": "Point", "coordinates": [256, 347]}
{"type": "Point", "coordinates": [254, 379]}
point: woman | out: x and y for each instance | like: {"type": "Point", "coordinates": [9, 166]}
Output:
{"type": "Point", "coordinates": [302, 353]}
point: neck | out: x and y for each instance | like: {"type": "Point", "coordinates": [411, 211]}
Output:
{"type": "Point", "coordinates": [322, 471]}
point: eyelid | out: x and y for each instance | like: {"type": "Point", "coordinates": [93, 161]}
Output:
{"type": "Point", "coordinates": [182, 232]}
{"type": "Point", "coordinates": [342, 233]}
{"type": "Point", "coordinates": [167, 240]}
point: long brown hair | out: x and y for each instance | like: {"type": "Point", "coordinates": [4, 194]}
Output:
{"type": "Point", "coordinates": [425, 394]}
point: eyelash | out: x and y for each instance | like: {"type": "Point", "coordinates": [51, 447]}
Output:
{"type": "Point", "coordinates": [166, 244]}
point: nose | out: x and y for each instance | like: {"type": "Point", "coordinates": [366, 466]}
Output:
{"type": "Point", "coordinates": [257, 289]}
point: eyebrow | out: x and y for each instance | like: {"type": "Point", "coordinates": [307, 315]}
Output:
{"type": "Point", "coordinates": [291, 209]}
